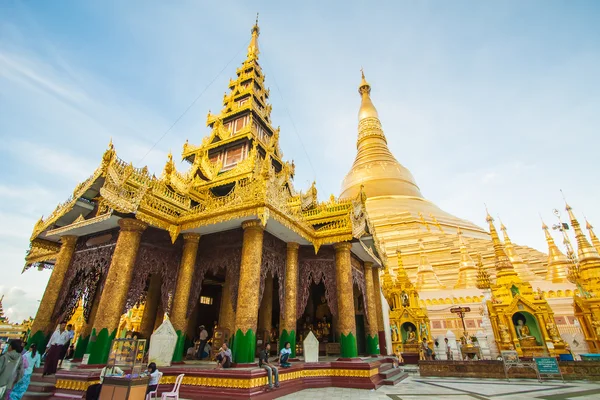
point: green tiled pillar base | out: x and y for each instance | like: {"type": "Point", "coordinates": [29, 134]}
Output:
{"type": "Point", "coordinates": [81, 347]}
{"type": "Point", "coordinates": [244, 347]}
{"type": "Point", "coordinates": [40, 341]}
{"type": "Point", "coordinates": [179, 347]}
{"type": "Point", "coordinates": [348, 346]}
{"type": "Point", "coordinates": [288, 337]}
{"type": "Point", "coordinates": [372, 344]}
{"type": "Point", "coordinates": [100, 348]}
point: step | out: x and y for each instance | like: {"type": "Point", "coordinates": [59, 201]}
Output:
{"type": "Point", "coordinates": [390, 373]}
{"type": "Point", "coordinates": [43, 387]}
{"type": "Point", "coordinates": [36, 396]}
{"type": "Point", "coordinates": [395, 379]}
{"type": "Point", "coordinates": [385, 367]}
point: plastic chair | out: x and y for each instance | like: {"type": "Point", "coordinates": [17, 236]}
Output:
{"type": "Point", "coordinates": [175, 393]}
{"type": "Point", "coordinates": [155, 391]}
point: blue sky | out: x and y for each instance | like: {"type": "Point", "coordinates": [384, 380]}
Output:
{"type": "Point", "coordinates": [485, 102]}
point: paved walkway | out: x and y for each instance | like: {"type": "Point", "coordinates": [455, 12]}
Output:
{"type": "Point", "coordinates": [417, 388]}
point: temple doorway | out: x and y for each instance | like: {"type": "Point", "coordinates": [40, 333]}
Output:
{"type": "Point", "coordinates": [269, 313]}
{"type": "Point", "coordinates": [359, 310]}
{"type": "Point", "coordinates": [317, 317]}
{"type": "Point", "coordinates": [208, 305]}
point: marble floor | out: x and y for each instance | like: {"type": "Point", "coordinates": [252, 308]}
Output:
{"type": "Point", "coordinates": [417, 388]}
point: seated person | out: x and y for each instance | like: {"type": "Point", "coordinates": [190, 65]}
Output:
{"type": "Point", "coordinates": [284, 355]}
{"type": "Point", "coordinates": [206, 351]}
{"type": "Point", "coordinates": [223, 357]}
{"type": "Point", "coordinates": [154, 374]}
{"type": "Point", "coordinates": [263, 362]}
{"type": "Point", "coordinates": [93, 391]}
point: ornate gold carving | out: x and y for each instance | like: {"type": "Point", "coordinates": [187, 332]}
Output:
{"type": "Point", "coordinates": [343, 269]}
{"type": "Point", "coordinates": [291, 288]}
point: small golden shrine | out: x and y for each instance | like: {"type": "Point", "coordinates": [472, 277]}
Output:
{"type": "Point", "coordinates": [584, 272]}
{"type": "Point", "coordinates": [521, 319]}
{"type": "Point", "coordinates": [409, 323]}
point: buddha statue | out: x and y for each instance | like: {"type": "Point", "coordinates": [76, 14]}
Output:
{"type": "Point", "coordinates": [553, 332]}
{"type": "Point", "coordinates": [405, 302]}
{"type": "Point", "coordinates": [523, 330]}
{"type": "Point", "coordinates": [411, 336]}
{"type": "Point", "coordinates": [395, 336]}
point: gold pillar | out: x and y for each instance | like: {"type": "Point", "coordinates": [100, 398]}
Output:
{"type": "Point", "coordinates": [43, 323]}
{"type": "Point", "coordinates": [244, 342]}
{"type": "Point", "coordinates": [151, 306]}
{"type": "Point", "coordinates": [370, 307]}
{"type": "Point", "coordinates": [226, 313]}
{"type": "Point", "coordinates": [265, 315]}
{"type": "Point", "coordinates": [379, 311]}
{"type": "Point", "coordinates": [287, 327]}
{"type": "Point", "coordinates": [185, 276]}
{"type": "Point", "coordinates": [116, 287]}
{"type": "Point", "coordinates": [345, 297]}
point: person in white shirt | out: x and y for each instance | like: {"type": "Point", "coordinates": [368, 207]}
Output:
{"type": "Point", "coordinates": [93, 391]}
{"type": "Point", "coordinates": [154, 375]}
{"type": "Point", "coordinates": [65, 347]}
{"type": "Point", "coordinates": [53, 349]}
{"type": "Point", "coordinates": [203, 340]}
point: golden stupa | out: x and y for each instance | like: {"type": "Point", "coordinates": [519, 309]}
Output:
{"type": "Point", "coordinates": [403, 217]}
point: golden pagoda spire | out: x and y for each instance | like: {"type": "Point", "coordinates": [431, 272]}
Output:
{"type": "Point", "coordinates": [589, 260]}
{"type": "Point", "coordinates": [558, 263]}
{"type": "Point", "coordinates": [426, 277]}
{"type": "Point", "coordinates": [402, 278]}
{"type": "Point", "coordinates": [483, 278]}
{"type": "Point", "coordinates": [253, 46]}
{"type": "Point", "coordinates": [467, 271]}
{"type": "Point", "coordinates": [595, 240]}
{"type": "Point", "coordinates": [519, 265]}
{"type": "Point", "coordinates": [505, 272]}
{"type": "Point", "coordinates": [374, 158]}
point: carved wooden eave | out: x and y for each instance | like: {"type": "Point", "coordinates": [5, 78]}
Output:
{"type": "Point", "coordinates": [41, 251]}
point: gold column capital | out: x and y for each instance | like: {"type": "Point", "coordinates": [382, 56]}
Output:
{"type": "Point", "coordinates": [293, 246]}
{"type": "Point", "coordinates": [68, 240]}
{"type": "Point", "coordinates": [253, 224]}
{"type": "Point", "coordinates": [132, 225]}
{"type": "Point", "coordinates": [368, 266]}
{"type": "Point", "coordinates": [341, 246]}
{"type": "Point", "coordinates": [191, 237]}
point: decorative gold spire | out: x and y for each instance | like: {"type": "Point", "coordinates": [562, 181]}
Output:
{"type": "Point", "coordinates": [595, 240]}
{"type": "Point", "coordinates": [483, 278]}
{"type": "Point", "coordinates": [589, 260]}
{"type": "Point", "coordinates": [253, 46]}
{"type": "Point", "coordinates": [375, 167]}
{"type": "Point", "coordinates": [426, 277]}
{"type": "Point", "coordinates": [467, 271]}
{"type": "Point", "coordinates": [519, 265]}
{"type": "Point", "coordinates": [402, 279]}
{"type": "Point", "coordinates": [505, 272]}
{"type": "Point", "coordinates": [367, 109]}
{"type": "Point", "coordinates": [558, 264]}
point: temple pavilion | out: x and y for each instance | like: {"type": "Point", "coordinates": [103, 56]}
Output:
{"type": "Point", "coordinates": [230, 241]}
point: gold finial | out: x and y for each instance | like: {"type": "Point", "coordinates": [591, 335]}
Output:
{"type": "Point", "coordinates": [253, 46]}
{"type": "Point", "coordinates": [503, 263]}
{"type": "Point", "coordinates": [558, 264]}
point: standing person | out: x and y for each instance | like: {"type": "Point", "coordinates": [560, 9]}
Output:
{"type": "Point", "coordinates": [33, 361]}
{"type": "Point", "coordinates": [203, 339]}
{"type": "Point", "coordinates": [154, 375]}
{"type": "Point", "coordinates": [11, 367]}
{"type": "Point", "coordinates": [285, 354]}
{"type": "Point", "coordinates": [263, 362]}
{"type": "Point", "coordinates": [65, 348]}
{"type": "Point", "coordinates": [426, 350]}
{"type": "Point", "coordinates": [54, 348]}
{"type": "Point", "coordinates": [224, 357]}
{"type": "Point", "coordinates": [449, 355]}
{"type": "Point", "coordinates": [93, 391]}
